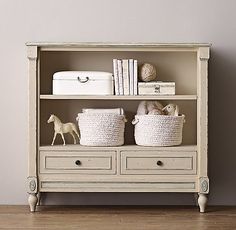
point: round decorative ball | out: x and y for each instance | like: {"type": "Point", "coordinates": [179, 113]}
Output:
{"type": "Point", "coordinates": [147, 72]}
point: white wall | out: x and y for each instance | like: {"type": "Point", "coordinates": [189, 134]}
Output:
{"type": "Point", "coordinates": [118, 21]}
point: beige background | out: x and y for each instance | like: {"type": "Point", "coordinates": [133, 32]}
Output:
{"type": "Point", "coordinates": [118, 21]}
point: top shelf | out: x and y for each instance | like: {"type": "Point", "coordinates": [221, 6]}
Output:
{"type": "Point", "coordinates": [47, 46]}
{"type": "Point", "coordinates": [115, 97]}
{"type": "Point", "coordinates": [117, 44]}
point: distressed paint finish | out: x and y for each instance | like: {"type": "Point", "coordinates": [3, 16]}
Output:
{"type": "Point", "coordinates": [104, 167]}
{"type": "Point", "coordinates": [33, 104]}
{"type": "Point", "coordinates": [202, 110]}
{"type": "Point", "coordinates": [32, 54]}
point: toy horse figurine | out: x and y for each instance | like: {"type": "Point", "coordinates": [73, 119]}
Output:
{"type": "Point", "coordinates": [61, 128]}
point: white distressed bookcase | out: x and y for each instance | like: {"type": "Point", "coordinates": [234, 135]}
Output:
{"type": "Point", "coordinates": [128, 168]}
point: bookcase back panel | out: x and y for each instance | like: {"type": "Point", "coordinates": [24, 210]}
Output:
{"type": "Point", "coordinates": [67, 111]}
{"type": "Point", "coordinates": [179, 67]}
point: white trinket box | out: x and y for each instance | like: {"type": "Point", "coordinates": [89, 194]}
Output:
{"type": "Point", "coordinates": [82, 83]}
{"type": "Point", "coordinates": [156, 88]}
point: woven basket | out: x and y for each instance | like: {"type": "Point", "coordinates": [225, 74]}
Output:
{"type": "Point", "coordinates": [101, 129]}
{"type": "Point", "coordinates": [158, 130]}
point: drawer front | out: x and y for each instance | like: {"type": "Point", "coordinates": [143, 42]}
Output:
{"type": "Point", "coordinates": [153, 162]}
{"type": "Point", "coordinates": [78, 162]}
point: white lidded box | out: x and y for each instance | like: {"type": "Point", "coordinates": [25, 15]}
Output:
{"type": "Point", "coordinates": [82, 83]}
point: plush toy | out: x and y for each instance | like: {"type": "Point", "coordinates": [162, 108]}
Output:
{"type": "Point", "coordinates": [150, 107]}
{"type": "Point", "coordinates": [171, 110]}
{"type": "Point", "coordinates": [156, 112]}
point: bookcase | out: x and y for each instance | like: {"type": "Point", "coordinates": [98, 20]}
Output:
{"type": "Point", "coordinates": [128, 168]}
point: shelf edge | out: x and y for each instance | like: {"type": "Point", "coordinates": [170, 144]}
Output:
{"type": "Point", "coordinates": [84, 97]}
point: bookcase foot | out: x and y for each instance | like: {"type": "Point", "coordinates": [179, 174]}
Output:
{"type": "Point", "coordinates": [33, 199]}
{"type": "Point", "coordinates": [202, 202]}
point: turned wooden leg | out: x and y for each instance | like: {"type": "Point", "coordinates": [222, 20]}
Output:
{"type": "Point", "coordinates": [202, 201]}
{"type": "Point", "coordinates": [32, 201]}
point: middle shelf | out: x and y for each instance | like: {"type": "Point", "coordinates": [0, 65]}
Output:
{"type": "Point", "coordinates": [77, 147]}
{"type": "Point", "coordinates": [115, 97]}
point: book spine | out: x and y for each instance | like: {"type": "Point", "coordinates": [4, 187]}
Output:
{"type": "Point", "coordinates": [135, 77]}
{"type": "Point", "coordinates": [125, 66]}
{"type": "Point", "coordinates": [131, 77]}
{"type": "Point", "coordinates": [120, 77]}
{"type": "Point", "coordinates": [116, 79]}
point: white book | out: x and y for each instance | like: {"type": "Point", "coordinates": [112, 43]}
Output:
{"type": "Point", "coordinates": [135, 77]}
{"type": "Point", "coordinates": [125, 67]}
{"type": "Point", "coordinates": [120, 77]}
{"type": "Point", "coordinates": [131, 76]}
{"type": "Point", "coordinates": [116, 79]}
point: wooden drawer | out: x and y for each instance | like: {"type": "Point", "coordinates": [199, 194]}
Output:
{"type": "Point", "coordinates": [153, 162]}
{"type": "Point", "coordinates": [78, 162]}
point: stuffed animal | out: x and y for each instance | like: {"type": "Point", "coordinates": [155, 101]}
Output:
{"type": "Point", "coordinates": [171, 110]}
{"type": "Point", "coordinates": [150, 107]}
{"type": "Point", "coordinates": [156, 112]}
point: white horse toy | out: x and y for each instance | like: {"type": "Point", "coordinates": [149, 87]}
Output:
{"type": "Point", "coordinates": [61, 128]}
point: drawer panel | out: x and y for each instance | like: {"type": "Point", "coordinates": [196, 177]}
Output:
{"type": "Point", "coordinates": [78, 162]}
{"type": "Point", "coordinates": [153, 162]}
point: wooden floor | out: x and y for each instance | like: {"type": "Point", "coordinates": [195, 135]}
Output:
{"type": "Point", "coordinates": [118, 217]}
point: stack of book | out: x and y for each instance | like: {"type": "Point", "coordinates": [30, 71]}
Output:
{"type": "Point", "coordinates": [125, 76]}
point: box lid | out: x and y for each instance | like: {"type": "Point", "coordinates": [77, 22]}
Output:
{"type": "Point", "coordinates": [82, 75]}
{"type": "Point", "coordinates": [154, 83]}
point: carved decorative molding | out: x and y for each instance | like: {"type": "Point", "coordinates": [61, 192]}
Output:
{"type": "Point", "coordinates": [204, 185]}
{"type": "Point", "coordinates": [32, 184]}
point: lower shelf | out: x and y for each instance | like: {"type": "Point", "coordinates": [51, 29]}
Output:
{"type": "Point", "coordinates": [123, 147]}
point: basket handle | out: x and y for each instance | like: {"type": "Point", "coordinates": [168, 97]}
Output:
{"type": "Point", "coordinates": [135, 121]}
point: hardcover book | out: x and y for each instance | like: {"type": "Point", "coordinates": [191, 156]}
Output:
{"type": "Point", "coordinates": [120, 77]}
{"type": "Point", "coordinates": [125, 67]}
{"type": "Point", "coordinates": [116, 78]}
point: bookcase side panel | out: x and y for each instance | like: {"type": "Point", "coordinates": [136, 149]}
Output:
{"type": "Point", "coordinates": [33, 116]}
{"type": "Point", "coordinates": [202, 119]}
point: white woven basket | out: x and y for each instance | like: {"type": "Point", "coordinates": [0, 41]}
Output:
{"type": "Point", "coordinates": [101, 129]}
{"type": "Point", "coordinates": [158, 130]}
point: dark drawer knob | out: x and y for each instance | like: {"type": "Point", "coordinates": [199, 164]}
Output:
{"type": "Point", "coordinates": [78, 162]}
{"type": "Point", "coordinates": [159, 163]}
